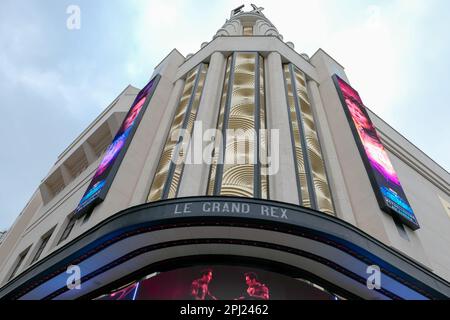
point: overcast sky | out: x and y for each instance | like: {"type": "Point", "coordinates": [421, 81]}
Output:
{"type": "Point", "coordinates": [55, 81]}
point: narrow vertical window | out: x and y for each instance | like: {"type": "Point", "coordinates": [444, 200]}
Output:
{"type": "Point", "coordinates": [263, 136]}
{"type": "Point", "coordinates": [248, 31]}
{"type": "Point", "coordinates": [42, 245]}
{"type": "Point", "coordinates": [217, 154]}
{"type": "Point", "coordinates": [18, 263]}
{"type": "Point", "coordinates": [236, 167]}
{"type": "Point", "coordinates": [297, 141]}
{"type": "Point", "coordinates": [188, 125]}
{"type": "Point", "coordinates": [311, 174]}
{"type": "Point", "coordinates": [316, 163]}
{"type": "Point", "coordinates": [68, 229]}
{"type": "Point", "coordinates": [166, 181]}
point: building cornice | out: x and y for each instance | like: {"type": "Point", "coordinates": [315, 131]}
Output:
{"type": "Point", "coordinates": [95, 121]}
{"type": "Point", "coordinates": [261, 44]}
{"type": "Point", "coordinates": [414, 163]}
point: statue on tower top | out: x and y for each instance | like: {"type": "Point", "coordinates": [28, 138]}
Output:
{"type": "Point", "coordinates": [236, 11]}
{"type": "Point", "coordinates": [256, 9]}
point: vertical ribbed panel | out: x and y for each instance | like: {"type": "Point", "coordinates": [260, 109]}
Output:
{"type": "Point", "coordinates": [159, 182]}
{"type": "Point", "coordinates": [297, 143]}
{"type": "Point", "coordinates": [242, 114]}
{"type": "Point", "coordinates": [263, 141]}
{"type": "Point", "coordinates": [175, 181]}
{"type": "Point", "coordinates": [238, 169]}
{"type": "Point", "coordinates": [322, 192]}
{"type": "Point", "coordinates": [218, 141]}
{"type": "Point", "coordinates": [311, 174]}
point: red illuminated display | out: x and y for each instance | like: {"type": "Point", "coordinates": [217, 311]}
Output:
{"type": "Point", "coordinates": [218, 283]}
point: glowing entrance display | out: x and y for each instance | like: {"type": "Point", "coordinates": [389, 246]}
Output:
{"type": "Point", "coordinates": [384, 179]}
{"type": "Point", "coordinates": [218, 282]}
{"type": "Point", "coordinates": [106, 171]}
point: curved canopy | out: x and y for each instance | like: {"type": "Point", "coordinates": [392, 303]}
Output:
{"type": "Point", "coordinates": [288, 236]}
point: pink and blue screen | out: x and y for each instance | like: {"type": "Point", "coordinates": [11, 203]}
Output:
{"type": "Point", "coordinates": [102, 178]}
{"type": "Point", "coordinates": [381, 169]}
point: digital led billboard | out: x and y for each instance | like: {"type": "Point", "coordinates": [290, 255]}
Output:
{"type": "Point", "coordinates": [219, 282]}
{"type": "Point", "coordinates": [106, 171]}
{"type": "Point", "coordinates": [384, 179]}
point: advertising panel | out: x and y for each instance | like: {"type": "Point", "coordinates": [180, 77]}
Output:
{"type": "Point", "coordinates": [106, 171]}
{"type": "Point", "coordinates": [384, 179]}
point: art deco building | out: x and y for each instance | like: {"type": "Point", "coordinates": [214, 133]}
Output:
{"type": "Point", "coordinates": [298, 183]}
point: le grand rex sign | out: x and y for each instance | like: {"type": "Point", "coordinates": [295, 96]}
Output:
{"type": "Point", "coordinates": [228, 208]}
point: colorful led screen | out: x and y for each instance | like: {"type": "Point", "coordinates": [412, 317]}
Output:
{"type": "Point", "coordinates": [218, 282]}
{"type": "Point", "coordinates": [103, 177]}
{"type": "Point", "coordinates": [384, 179]}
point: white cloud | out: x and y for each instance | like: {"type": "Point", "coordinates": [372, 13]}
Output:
{"type": "Point", "coordinates": [370, 41]}
{"type": "Point", "coordinates": [156, 31]}
{"type": "Point", "coordinates": [63, 85]}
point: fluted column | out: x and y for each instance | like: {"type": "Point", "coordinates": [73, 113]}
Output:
{"type": "Point", "coordinates": [282, 184]}
{"type": "Point", "coordinates": [194, 180]}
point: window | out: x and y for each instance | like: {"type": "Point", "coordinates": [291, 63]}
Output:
{"type": "Point", "coordinates": [19, 262]}
{"type": "Point", "coordinates": [168, 173]}
{"type": "Point", "coordinates": [87, 216]}
{"type": "Point", "coordinates": [314, 191]}
{"type": "Point", "coordinates": [237, 169]}
{"type": "Point", "coordinates": [68, 229]}
{"type": "Point", "coordinates": [248, 31]}
{"type": "Point", "coordinates": [42, 245]}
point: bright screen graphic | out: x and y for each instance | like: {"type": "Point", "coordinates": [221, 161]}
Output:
{"type": "Point", "coordinates": [388, 189]}
{"type": "Point", "coordinates": [107, 169]}
{"type": "Point", "coordinates": [219, 282]}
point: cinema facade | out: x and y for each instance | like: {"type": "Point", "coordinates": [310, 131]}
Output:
{"type": "Point", "coordinates": [335, 205]}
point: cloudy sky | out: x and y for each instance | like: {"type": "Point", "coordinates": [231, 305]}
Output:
{"type": "Point", "coordinates": [55, 81]}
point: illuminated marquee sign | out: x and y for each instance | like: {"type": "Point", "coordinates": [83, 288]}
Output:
{"type": "Point", "coordinates": [106, 171]}
{"type": "Point", "coordinates": [218, 282]}
{"type": "Point", "coordinates": [384, 179]}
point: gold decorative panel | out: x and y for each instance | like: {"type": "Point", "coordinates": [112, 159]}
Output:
{"type": "Point", "coordinates": [189, 128]}
{"type": "Point", "coordinates": [235, 170]}
{"type": "Point", "coordinates": [324, 201]}
{"type": "Point", "coordinates": [310, 165]}
{"type": "Point", "coordinates": [166, 171]}
{"type": "Point", "coordinates": [248, 31]}
{"type": "Point", "coordinates": [263, 147]}
{"type": "Point", "coordinates": [238, 178]}
{"type": "Point", "coordinates": [297, 141]}
{"type": "Point", "coordinates": [218, 142]}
